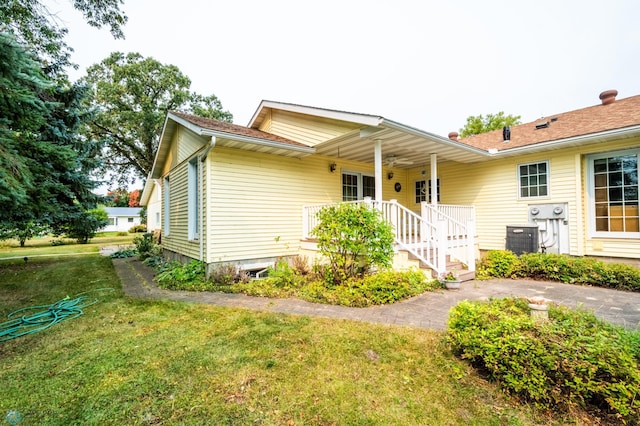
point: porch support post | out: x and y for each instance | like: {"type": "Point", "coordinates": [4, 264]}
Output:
{"type": "Point", "coordinates": [434, 179]}
{"type": "Point", "coordinates": [378, 168]}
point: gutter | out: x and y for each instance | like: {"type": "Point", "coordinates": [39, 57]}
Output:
{"type": "Point", "coordinates": [627, 132]}
{"type": "Point", "coordinates": [258, 141]}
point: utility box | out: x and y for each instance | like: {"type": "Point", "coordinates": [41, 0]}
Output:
{"type": "Point", "coordinates": [522, 239]}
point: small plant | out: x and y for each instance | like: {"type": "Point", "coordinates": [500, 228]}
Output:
{"type": "Point", "coordinates": [178, 276]}
{"type": "Point", "coordinates": [122, 234]}
{"type": "Point", "coordinates": [57, 242]}
{"type": "Point", "coordinates": [226, 274]}
{"type": "Point", "coordinates": [498, 263]}
{"type": "Point", "coordinates": [138, 228]}
{"type": "Point", "coordinates": [123, 253]}
{"type": "Point", "coordinates": [146, 247]}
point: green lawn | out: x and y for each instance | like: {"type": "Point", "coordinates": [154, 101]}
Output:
{"type": "Point", "coordinates": [42, 246]}
{"type": "Point", "coordinates": [161, 362]}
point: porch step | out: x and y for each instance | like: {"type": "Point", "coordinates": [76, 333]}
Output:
{"type": "Point", "coordinates": [457, 268]}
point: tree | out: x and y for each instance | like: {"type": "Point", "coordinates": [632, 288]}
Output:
{"type": "Point", "coordinates": [117, 198]}
{"type": "Point", "coordinates": [134, 198]}
{"type": "Point", "coordinates": [38, 29]}
{"type": "Point", "coordinates": [84, 225]}
{"type": "Point", "coordinates": [354, 238]}
{"type": "Point", "coordinates": [45, 167]}
{"type": "Point", "coordinates": [479, 124]}
{"type": "Point", "coordinates": [133, 95]}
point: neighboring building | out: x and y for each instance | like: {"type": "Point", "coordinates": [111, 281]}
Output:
{"type": "Point", "coordinates": [153, 194]}
{"type": "Point", "coordinates": [121, 219]}
{"type": "Point", "coordinates": [566, 183]}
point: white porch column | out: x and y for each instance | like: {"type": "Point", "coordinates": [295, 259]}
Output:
{"type": "Point", "coordinates": [434, 179]}
{"type": "Point", "coordinates": [378, 167]}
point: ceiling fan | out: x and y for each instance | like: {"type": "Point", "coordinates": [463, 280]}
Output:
{"type": "Point", "coordinates": [391, 160]}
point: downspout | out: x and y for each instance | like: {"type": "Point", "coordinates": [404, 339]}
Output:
{"type": "Point", "coordinates": [434, 179]}
{"type": "Point", "coordinates": [203, 198]}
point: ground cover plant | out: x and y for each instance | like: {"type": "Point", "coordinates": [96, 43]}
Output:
{"type": "Point", "coordinates": [558, 267]}
{"type": "Point", "coordinates": [143, 362]}
{"type": "Point", "coordinates": [571, 359]}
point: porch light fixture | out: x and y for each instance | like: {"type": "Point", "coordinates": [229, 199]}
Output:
{"type": "Point", "coordinates": [390, 175]}
{"type": "Point", "coordinates": [332, 167]}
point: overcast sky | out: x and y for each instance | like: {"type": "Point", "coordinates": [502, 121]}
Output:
{"type": "Point", "coordinates": [428, 64]}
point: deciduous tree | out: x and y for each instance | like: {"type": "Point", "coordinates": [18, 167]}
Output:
{"type": "Point", "coordinates": [133, 95]}
{"type": "Point", "coordinates": [477, 124]}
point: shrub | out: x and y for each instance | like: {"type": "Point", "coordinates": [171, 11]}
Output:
{"type": "Point", "coordinates": [146, 247]}
{"type": "Point", "coordinates": [178, 276]}
{"type": "Point", "coordinates": [559, 267]}
{"type": "Point", "coordinates": [57, 242]}
{"type": "Point", "coordinates": [138, 228]}
{"type": "Point", "coordinates": [122, 234]}
{"type": "Point", "coordinates": [572, 359]}
{"type": "Point", "coordinates": [83, 225]}
{"type": "Point", "coordinates": [498, 263]}
{"type": "Point", "coordinates": [123, 253]}
{"type": "Point", "coordinates": [226, 274]}
{"type": "Point", "coordinates": [354, 238]}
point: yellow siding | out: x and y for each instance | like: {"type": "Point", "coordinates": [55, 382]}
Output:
{"type": "Point", "coordinates": [188, 143]}
{"type": "Point", "coordinates": [177, 240]}
{"type": "Point", "coordinates": [493, 188]}
{"type": "Point", "coordinates": [255, 200]}
{"type": "Point", "coordinates": [307, 129]}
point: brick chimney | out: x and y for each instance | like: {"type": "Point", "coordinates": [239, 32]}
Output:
{"type": "Point", "coordinates": [453, 136]}
{"type": "Point", "coordinates": [608, 96]}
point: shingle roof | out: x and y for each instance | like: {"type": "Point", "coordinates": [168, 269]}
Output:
{"type": "Point", "coordinates": [594, 119]}
{"type": "Point", "coordinates": [233, 129]}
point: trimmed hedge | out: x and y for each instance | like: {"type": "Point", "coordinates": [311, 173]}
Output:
{"type": "Point", "coordinates": [558, 267]}
{"type": "Point", "coordinates": [571, 359]}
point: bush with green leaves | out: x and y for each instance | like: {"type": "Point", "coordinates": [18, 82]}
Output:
{"type": "Point", "coordinates": [146, 247]}
{"type": "Point", "coordinates": [138, 228]}
{"type": "Point", "coordinates": [82, 226]}
{"type": "Point", "coordinates": [559, 267]}
{"type": "Point", "coordinates": [183, 276]}
{"type": "Point", "coordinates": [571, 359]}
{"type": "Point", "coordinates": [354, 238]}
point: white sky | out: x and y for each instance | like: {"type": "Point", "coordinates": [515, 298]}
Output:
{"type": "Point", "coordinates": [429, 64]}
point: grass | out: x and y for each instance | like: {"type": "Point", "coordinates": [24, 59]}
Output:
{"type": "Point", "coordinates": [42, 246]}
{"type": "Point", "coordinates": [130, 361]}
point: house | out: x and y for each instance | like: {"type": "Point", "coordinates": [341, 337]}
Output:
{"type": "Point", "coordinates": [153, 196]}
{"type": "Point", "coordinates": [567, 183]}
{"type": "Point", "coordinates": [121, 219]}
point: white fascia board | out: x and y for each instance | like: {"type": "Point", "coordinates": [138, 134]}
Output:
{"type": "Point", "coordinates": [258, 141]}
{"type": "Point", "coordinates": [364, 119]}
{"type": "Point", "coordinates": [441, 139]}
{"type": "Point", "coordinates": [559, 143]}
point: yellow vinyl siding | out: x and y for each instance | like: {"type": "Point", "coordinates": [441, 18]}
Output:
{"type": "Point", "coordinates": [306, 129]}
{"type": "Point", "coordinates": [255, 201]}
{"type": "Point", "coordinates": [492, 187]}
{"type": "Point", "coordinates": [188, 143]}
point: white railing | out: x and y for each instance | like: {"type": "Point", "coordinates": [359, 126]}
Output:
{"type": "Point", "coordinates": [459, 222]}
{"type": "Point", "coordinates": [429, 237]}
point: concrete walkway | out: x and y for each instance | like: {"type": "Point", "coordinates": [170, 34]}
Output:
{"type": "Point", "coordinates": [429, 310]}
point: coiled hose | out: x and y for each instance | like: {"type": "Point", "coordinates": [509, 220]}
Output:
{"type": "Point", "coordinates": [47, 316]}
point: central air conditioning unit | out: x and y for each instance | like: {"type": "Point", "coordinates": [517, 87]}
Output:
{"type": "Point", "coordinates": [522, 239]}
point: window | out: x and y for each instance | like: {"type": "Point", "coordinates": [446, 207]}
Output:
{"type": "Point", "coordinates": [112, 221]}
{"type": "Point", "coordinates": [356, 186]}
{"type": "Point", "coordinates": [157, 219]}
{"type": "Point", "coordinates": [533, 179]}
{"type": "Point", "coordinates": [423, 190]}
{"type": "Point", "coordinates": [192, 199]}
{"type": "Point", "coordinates": [167, 206]}
{"type": "Point", "coordinates": [130, 220]}
{"type": "Point", "coordinates": [613, 193]}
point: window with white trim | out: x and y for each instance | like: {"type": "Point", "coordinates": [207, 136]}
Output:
{"type": "Point", "coordinates": [533, 179]}
{"type": "Point", "coordinates": [192, 199]}
{"type": "Point", "coordinates": [423, 190]}
{"type": "Point", "coordinates": [167, 207]}
{"type": "Point", "coordinates": [356, 186]}
{"type": "Point", "coordinates": [613, 194]}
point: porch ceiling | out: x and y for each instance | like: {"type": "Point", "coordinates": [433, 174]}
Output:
{"type": "Point", "coordinates": [402, 142]}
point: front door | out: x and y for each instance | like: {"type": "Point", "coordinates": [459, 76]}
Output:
{"type": "Point", "coordinates": [356, 186]}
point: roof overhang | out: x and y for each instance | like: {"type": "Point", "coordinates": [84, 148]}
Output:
{"type": "Point", "coordinates": [224, 139]}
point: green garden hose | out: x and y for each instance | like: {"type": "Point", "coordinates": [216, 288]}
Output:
{"type": "Point", "coordinates": [46, 316]}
